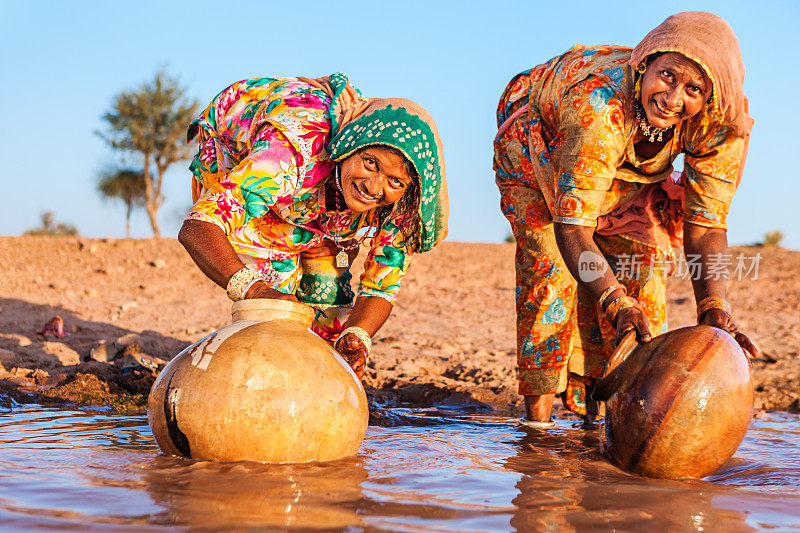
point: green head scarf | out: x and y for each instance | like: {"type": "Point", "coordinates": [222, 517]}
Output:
{"type": "Point", "coordinates": [402, 124]}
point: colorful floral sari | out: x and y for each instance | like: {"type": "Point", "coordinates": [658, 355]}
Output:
{"type": "Point", "coordinates": [564, 153]}
{"type": "Point", "coordinates": [262, 165]}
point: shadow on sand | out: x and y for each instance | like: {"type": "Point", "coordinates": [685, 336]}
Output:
{"type": "Point", "coordinates": [45, 369]}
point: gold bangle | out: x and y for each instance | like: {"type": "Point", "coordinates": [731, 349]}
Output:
{"type": "Point", "coordinates": [712, 302]}
{"type": "Point", "coordinates": [623, 302]}
{"type": "Point", "coordinates": [607, 293]}
{"type": "Point", "coordinates": [361, 333]}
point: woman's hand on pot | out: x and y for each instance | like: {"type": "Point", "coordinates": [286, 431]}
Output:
{"type": "Point", "coordinates": [632, 319]}
{"type": "Point", "coordinates": [719, 318]}
{"type": "Point", "coordinates": [262, 290]}
{"type": "Point", "coordinates": [354, 352]}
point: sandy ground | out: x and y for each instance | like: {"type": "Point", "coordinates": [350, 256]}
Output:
{"type": "Point", "coordinates": [450, 339]}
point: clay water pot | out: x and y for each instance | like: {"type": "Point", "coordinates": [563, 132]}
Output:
{"type": "Point", "coordinates": [265, 388]}
{"type": "Point", "coordinates": [677, 406]}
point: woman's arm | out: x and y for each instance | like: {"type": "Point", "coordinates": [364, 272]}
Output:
{"type": "Point", "coordinates": [705, 243]}
{"type": "Point", "coordinates": [714, 163]}
{"type": "Point", "coordinates": [584, 169]}
{"type": "Point", "coordinates": [369, 313]}
{"type": "Point", "coordinates": [578, 249]}
{"type": "Point", "coordinates": [213, 254]}
{"type": "Point", "coordinates": [385, 266]}
{"type": "Point", "coordinates": [247, 191]}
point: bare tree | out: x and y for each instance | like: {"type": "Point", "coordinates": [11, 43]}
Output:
{"type": "Point", "coordinates": [151, 121]}
{"type": "Point", "coordinates": [126, 185]}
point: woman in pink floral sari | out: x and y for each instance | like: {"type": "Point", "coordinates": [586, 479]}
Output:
{"type": "Point", "coordinates": [292, 175]}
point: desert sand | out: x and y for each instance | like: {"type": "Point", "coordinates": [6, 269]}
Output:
{"type": "Point", "coordinates": [450, 339]}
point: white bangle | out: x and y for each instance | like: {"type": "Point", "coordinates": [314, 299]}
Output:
{"type": "Point", "coordinates": [241, 282]}
{"type": "Point", "coordinates": [361, 333]}
{"type": "Point", "coordinates": [247, 287]}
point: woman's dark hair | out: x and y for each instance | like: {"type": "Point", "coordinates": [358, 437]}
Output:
{"type": "Point", "coordinates": [407, 207]}
{"type": "Point", "coordinates": [652, 57]}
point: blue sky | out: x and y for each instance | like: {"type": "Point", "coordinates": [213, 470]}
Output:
{"type": "Point", "coordinates": [63, 62]}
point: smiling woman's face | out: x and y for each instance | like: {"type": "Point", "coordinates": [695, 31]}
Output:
{"type": "Point", "coordinates": [674, 88]}
{"type": "Point", "coordinates": [373, 177]}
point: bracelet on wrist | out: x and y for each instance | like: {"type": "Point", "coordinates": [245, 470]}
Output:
{"type": "Point", "coordinates": [240, 283]}
{"type": "Point", "coordinates": [608, 291]}
{"type": "Point", "coordinates": [362, 335]}
{"type": "Point", "coordinates": [617, 305]}
{"type": "Point", "coordinates": [250, 286]}
{"type": "Point", "coordinates": [712, 302]}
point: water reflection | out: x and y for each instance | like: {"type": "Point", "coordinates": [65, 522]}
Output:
{"type": "Point", "coordinates": [568, 486]}
{"type": "Point", "coordinates": [426, 470]}
{"type": "Point", "coordinates": [236, 495]}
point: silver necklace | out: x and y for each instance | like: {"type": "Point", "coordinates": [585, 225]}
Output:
{"type": "Point", "coordinates": [651, 131]}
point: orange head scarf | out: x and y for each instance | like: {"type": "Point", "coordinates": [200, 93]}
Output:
{"type": "Point", "coordinates": [710, 42]}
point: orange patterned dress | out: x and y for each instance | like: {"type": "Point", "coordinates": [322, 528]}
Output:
{"type": "Point", "coordinates": [564, 153]}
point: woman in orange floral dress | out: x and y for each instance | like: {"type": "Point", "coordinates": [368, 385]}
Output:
{"type": "Point", "coordinates": [583, 159]}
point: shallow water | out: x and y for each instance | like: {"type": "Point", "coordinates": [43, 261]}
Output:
{"type": "Point", "coordinates": [435, 470]}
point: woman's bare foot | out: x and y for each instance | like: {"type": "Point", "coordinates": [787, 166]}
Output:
{"type": "Point", "coordinates": [539, 407]}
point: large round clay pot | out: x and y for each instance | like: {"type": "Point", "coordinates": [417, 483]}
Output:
{"type": "Point", "coordinates": [677, 406]}
{"type": "Point", "coordinates": [265, 388]}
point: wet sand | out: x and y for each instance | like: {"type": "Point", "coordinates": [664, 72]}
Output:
{"type": "Point", "coordinates": [450, 340]}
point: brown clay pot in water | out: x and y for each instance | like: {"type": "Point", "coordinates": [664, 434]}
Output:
{"type": "Point", "coordinates": [677, 406]}
{"type": "Point", "coordinates": [265, 388]}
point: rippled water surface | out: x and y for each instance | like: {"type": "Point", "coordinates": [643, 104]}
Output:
{"type": "Point", "coordinates": [436, 470]}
